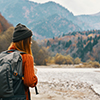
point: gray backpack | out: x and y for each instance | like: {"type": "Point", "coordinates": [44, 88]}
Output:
{"type": "Point", "coordinates": [11, 83]}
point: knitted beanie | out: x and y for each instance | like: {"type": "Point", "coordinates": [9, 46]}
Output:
{"type": "Point", "coordinates": [21, 32]}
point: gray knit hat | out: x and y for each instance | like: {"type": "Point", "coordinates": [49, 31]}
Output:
{"type": "Point", "coordinates": [21, 32]}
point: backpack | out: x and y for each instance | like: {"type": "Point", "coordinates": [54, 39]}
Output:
{"type": "Point", "coordinates": [11, 77]}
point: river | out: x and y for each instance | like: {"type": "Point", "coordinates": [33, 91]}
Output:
{"type": "Point", "coordinates": [79, 75]}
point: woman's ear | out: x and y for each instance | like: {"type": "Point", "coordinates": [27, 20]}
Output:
{"type": "Point", "coordinates": [31, 39]}
{"type": "Point", "coordinates": [31, 42]}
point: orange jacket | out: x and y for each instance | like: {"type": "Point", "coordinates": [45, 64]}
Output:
{"type": "Point", "coordinates": [30, 79]}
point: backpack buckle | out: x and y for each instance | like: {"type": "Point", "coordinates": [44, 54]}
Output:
{"type": "Point", "coordinates": [22, 78]}
{"type": "Point", "coordinates": [15, 73]}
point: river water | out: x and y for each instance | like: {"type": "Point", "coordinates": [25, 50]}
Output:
{"type": "Point", "coordinates": [89, 75]}
{"type": "Point", "coordinates": [79, 75]}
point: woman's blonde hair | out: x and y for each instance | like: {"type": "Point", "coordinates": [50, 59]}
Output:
{"type": "Point", "coordinates": [23, 45]}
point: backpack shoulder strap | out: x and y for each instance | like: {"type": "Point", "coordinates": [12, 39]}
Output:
{"type": "Point", "coordinates": [13, 72]}
{"type": "Point", "coordinates": [13, 50]}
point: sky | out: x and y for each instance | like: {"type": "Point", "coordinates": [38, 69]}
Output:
{"type": "Point", "coordinates": [77, 7]}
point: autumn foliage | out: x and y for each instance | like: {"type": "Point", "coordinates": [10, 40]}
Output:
{"type": "Point", "coordinates": [84, 45]}
{"type": "Point", "coordinates": [64, 59]}
{"type": "Point", "coordinates": [89, 64]}
{"type": "Point", "coordinates": [4, 25]}
{"type": "Point", "coordinates": [40, 54]}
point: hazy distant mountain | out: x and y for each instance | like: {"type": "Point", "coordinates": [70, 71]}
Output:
{"type": "Point", "coordinates": [55, 25]}
{"type": "Point", "coordinates": [93, 20]}
{"type": "Point", "coordinates": [41, 17]}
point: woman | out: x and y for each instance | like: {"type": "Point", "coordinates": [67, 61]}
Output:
{"type": "Point", "coordinates": [22, 41]}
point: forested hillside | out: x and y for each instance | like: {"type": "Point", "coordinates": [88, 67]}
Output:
{"type": "Point", "coordinates": [85, 45]}
{"type": "Point", "coordinates": [4, 25]}
{"type": "Point", "coordinates": [66, 49]}
{"type": "Point", "coordinates": [6, 32]}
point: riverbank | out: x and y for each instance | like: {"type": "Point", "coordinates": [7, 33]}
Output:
{"type": "Point", "coordinates": [57, 66]}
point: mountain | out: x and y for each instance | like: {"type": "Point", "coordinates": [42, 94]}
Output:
{"type": "Point", "coordinates": [93, 20]}
{"type": "Point", "coordinates": [55, 25]}
{"type": "Point", "coordinates": [35, 14]}
{"type": "Point", "coordinates": [4, 25]}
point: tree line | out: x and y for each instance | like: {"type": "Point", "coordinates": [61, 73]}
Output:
{"type": "Point", "coordinates": [42, 56]}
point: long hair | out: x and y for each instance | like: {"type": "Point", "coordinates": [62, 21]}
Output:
{"type": "Point", "coordinates": [23, 45]}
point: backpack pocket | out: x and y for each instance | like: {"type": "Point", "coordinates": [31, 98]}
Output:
{"type": "Point", "coordinates": [6, 82]}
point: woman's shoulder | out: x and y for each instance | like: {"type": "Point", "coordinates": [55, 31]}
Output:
{"type": "Point", "coordinates": [27, 57]}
